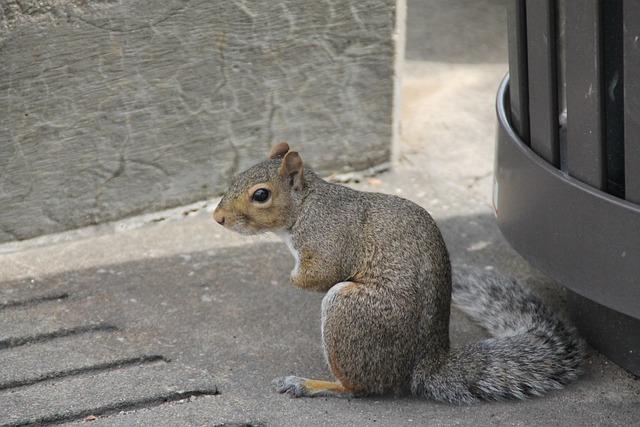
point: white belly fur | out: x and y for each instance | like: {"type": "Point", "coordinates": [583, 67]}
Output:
{"type": "Point", "coordinates": [286, 238]}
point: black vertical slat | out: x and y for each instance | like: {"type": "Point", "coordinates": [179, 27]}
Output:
{"type": "Point", "coordinates": [613, 95]}
{"type": "Point", "coordinates": [543, 92]}
{"type": "Point", "coordinates": [585, 143]}
{"type": "Point", "coordinates": [561, 84]}
{"type": "Point", "coordinates": [518, 84]}
{"type": "Point", "coordinates": [631, 35]}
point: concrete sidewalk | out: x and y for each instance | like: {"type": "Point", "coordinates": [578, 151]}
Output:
{"type": "Point", "coordinates": [170, 320]}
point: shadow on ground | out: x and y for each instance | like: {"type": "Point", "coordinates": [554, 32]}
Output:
{"type": "Point", "coordinates": [197, 338]}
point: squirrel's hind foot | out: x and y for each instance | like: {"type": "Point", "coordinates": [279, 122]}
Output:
{"type": "Point", "coordinates": [303, 387]}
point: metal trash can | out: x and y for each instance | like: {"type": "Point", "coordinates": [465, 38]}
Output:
{"type": "Point", "coordinates": [567, 173]}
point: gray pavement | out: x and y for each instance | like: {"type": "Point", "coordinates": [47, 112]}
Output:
{"type": "Point", "coordinates": [168, 320]}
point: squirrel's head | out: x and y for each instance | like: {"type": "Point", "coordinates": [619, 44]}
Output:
{"type": "Point", "coordinates": [264, 197]}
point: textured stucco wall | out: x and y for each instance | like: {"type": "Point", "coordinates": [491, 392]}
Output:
{"type": "Point", "coordinates": [113, 108]}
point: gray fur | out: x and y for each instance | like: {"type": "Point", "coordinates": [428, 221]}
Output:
{"type": "Point", "coordinates": [385, 319]}
{"type": "Point", "coordinates": [533, 351]}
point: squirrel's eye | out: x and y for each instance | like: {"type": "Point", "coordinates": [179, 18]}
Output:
{"type": "Point", "coordinates": [260, 195]}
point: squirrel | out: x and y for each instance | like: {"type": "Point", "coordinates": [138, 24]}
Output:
{"type": "Point", "coordinates": [384, 266]}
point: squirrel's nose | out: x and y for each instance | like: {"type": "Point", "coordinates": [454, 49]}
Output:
{"type": "Point", "coordinates": [219, 217]}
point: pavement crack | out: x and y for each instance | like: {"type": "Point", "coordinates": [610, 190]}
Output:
{"type": "Point", "coordinates": [14, 235]}
{"type": "Point", "coordinates": [65, 332]}
{"type": "Point", "coordinates": [33, 301]}
{"type": "Point", "coordinates": [98, 368]}
{"type": "Point", "coordinates": [235, 164]}
{"type": "Point", "coordinates": [130, 405]}
{"type": "Point", "coordinates": [272, 111]}
{"type": "Point", "coordinates": [111, 29]}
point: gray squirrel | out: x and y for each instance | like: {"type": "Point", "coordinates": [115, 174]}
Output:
{"type": "Point", "coordinates": [387, 276]}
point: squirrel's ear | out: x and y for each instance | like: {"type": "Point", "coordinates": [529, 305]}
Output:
{"type": "Point", "coordinates": [292, 168]}
{"type": "Point", "coordinates": [279, 150]}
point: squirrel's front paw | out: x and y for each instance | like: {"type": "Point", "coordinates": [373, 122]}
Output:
{"type": "Point", "coordinates": [291, 385]}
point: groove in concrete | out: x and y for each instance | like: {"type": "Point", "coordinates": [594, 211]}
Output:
{"type": "Point", "coordinates": [33, 301]}
{"type": "Point", "coordinates": [240, 425]}
{"type": "Point", "coordinates": [131, 405]}
{"type": "Point", "coordinates": [31, 339]}
{"type": "Point", "coordinates": [107, 366]}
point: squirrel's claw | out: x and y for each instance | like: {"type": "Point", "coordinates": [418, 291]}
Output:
{"type": "Point", "coordinates": [304, 387]}
{"type": "Point", "coordinates": [291, 385]}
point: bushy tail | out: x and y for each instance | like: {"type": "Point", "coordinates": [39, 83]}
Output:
{"type": "Point", "coordinates": [532, 350]}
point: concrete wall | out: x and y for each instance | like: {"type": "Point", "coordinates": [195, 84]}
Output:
{"type": "Point", "coordinates": [110, 108]}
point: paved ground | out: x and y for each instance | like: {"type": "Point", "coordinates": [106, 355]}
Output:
{"type": "Point", "coordinates": [178, 322]}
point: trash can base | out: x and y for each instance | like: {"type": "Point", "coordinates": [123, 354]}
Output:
{"type": "Point", "coordinates": [611, 333]}
{"type": "Point", "coordinates": [585, 239]}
